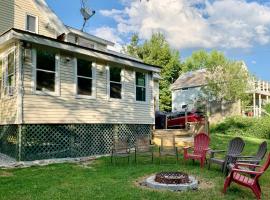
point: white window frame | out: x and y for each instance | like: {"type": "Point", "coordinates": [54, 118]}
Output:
{"type": "Point", "coordinates": [79, 96]}
{"type": "Point", "coordinates": [12, 74]}
{"type": "Point", "coordinates": [34, 75]}
{"type": "Point", "coordinates": [109, 83]}
{"type": "Point", "coordinates": [146, 87]}
{"type": "Point", "coordinates": [2, 74]}
{"type": "Point", "coordinates": [31, 15]}
{"type": "Point", "coordinates": [5, 75]}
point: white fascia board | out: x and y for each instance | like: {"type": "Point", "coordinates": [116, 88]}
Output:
{"type": "Point", "coordinates": [74, 49]}
{"type": "Point", "coordinates": [51, 16]}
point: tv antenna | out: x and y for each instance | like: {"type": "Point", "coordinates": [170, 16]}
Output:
{"type": "Point", "coordinates": [86, 12]}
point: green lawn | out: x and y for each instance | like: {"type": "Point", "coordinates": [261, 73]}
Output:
{"type": "Point", "coordinates": [103, 181]}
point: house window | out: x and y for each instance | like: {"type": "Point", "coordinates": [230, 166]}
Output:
{"type": "Point", "coordinates": [10, 78]}
{"type": "Point", "coordinates": [84, 77]}
{"type": "Point", "coordinates": [1, 75]}
{"type": "Point", "coordinates": [45, 71]}
{"type": "Point", "coordinates": [31, 23]}
{"type": "Point", "coordinates": [140, 86]}
{"type": "Point", "coordinates": [115, 83]}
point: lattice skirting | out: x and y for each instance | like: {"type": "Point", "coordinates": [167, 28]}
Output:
{"type": "Point", "coordinates": [36, 142]}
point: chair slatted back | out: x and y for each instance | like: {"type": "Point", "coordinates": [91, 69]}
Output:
{"type": "Point", "coordinates": [167, 142]}
{"type": "Point", "coordinates": [261, 151]}
{"type": "Point", "coordinates": [236, 146]}
{"type": "Point", "coordinates": [201, 143]}
{"type": "Point", "coordinates": [142, 143]}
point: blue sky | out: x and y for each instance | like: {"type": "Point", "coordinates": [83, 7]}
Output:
{"type": "Point", "coordinates": [239, 28]}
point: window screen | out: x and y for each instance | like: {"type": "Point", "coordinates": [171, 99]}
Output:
{"type": "Point", "coordinates": [115, 83]}
{"type": "Point", "coordinates": [45, 71]}
{"type": "Point", "coordinates": [84, 77]}
{"type": "Point", "coordinates": [140, 86]}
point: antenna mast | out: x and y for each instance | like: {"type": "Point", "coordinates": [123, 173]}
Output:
{"type": "Point", "coordinates": [86, 12]}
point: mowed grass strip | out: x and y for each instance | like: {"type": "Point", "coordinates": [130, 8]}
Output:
{"type": "Point", "coordinates": [101, 180]}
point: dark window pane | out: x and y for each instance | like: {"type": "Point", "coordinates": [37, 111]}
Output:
{"type": "Point", "coordinates": [140, 79]}
{"type": "Point", "coordinates": [31, 23]}
{"type": "Point", "coordinates": [45, 60]}
{"type": "Point", "coordinates": [84, 86]}
{"type": "Point", "coordinates": [84, 68]}
{"type": "Point", "coordinates": [11, 63]}
{"type": "Point", "coordinates": [115, 74]}
{"type": "Point", "coordinates": [45, 81]}
{"type": "Point", "coordinates": [11, 81]}
{"type": "Point", "coordinates": [140, 94]}
{"type": "Point", "coordinates": [115, 90]}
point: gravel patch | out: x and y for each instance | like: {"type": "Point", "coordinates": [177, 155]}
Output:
{"type": "Point", "coordinates": [7, 162]}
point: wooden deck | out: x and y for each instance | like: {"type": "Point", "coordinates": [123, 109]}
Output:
{"type": "Point", "coordinates": [182, 137]}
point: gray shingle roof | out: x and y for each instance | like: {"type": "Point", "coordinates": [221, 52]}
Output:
{"type": "Point", "coordinates": [190, 79]}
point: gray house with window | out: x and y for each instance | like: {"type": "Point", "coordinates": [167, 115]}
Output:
{"type": "Point", "coordinates": [63, 92]}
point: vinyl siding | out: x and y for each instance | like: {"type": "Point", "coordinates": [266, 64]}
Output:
{"type": "Point", "coordinates": [23, 7]}
{"type": "Point", "coordinates": [6, 15]}
{"type": "Point", "coordinates": [66, 108]}
{"type": "Point", "coordinates": [8, 104]}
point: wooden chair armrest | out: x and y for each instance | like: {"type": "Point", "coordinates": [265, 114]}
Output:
{"type": "Point", "coordinates": [217, 151]}
{"type": "Point", "coordinates": [246, 171]}
{"type": "Point", "coordinates": [246, 165]}
{"type": "Point", "coordinates": [213, 152]}
{"type": "Point", "coordinates": [188, 147]}
{"type": "Point", "coordinates": [249, 161]}
{"type": "Point", "coordinates": [240, 157]}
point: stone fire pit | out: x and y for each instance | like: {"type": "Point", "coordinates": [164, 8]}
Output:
{"type": "Point", "coordinates": [174, 181]}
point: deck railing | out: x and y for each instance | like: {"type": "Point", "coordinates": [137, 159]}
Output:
{"type": "Point", "coordinates": [260, 86]}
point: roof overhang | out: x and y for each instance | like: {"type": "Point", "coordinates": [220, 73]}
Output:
{"type": "Point", "coordinates": [15, 34]}
{"type": "Point", "coordinates": [89, 36]}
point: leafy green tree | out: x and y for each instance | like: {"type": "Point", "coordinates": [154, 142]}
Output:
{"type": "Point", "coordinates": [157, 51]}
{"type": "Point", "coordinates": [225, 80]}
{"type": "Point", "coordinates": [202, 59]}
{"type": "Point", "coordinates": [228, 82]}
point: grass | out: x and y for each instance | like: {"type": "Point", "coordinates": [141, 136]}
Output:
{"type": "Point", "coordinates": [101, 180]}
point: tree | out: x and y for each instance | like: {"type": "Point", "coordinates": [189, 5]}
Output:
{"type": "Point", "coordinates": [157, 51]}
{"type": "Point", "coordinates": [228, 81]}
{"type": "Point", "coordinates": [203, 60]}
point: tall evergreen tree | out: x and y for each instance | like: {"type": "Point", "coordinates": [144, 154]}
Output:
{"type": "Point", "coordinates": [157, 51]}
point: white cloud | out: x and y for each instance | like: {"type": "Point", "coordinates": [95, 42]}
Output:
{"type": "Point", "coordinates": [253, 62]}
{"type": "Point", "coordinates": [111, 35]}
{"type": "Point", "coordinates": [196, 23]}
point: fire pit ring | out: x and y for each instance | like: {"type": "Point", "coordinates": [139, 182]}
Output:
{"type": "Point", "coordinates": [174, 181]}
{"type": "Point", "coordinates": [172, 178]}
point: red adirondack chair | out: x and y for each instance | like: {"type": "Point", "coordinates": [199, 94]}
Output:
{"type": "Point", "coordinates": [201, 146]}
{"type": "Point", "coordinates": [237, 176]}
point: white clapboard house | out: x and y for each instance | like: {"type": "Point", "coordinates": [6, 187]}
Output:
{"type": "Point", "coordinates": [63, 92]}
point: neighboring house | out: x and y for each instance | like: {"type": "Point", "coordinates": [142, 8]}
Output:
{"type": "Point", "coordinates": [187, 90]}
{"type": "Point", "coordinates": [63, 93]}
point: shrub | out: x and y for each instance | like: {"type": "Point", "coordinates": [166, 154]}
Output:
{"type": "Point", "coordinates": [256, 127]}
{"type": "Point", "coordinates": [266, 107]}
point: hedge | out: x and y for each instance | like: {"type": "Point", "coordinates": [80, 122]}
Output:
{"type": "Point", "coordinates": [245, 126]}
